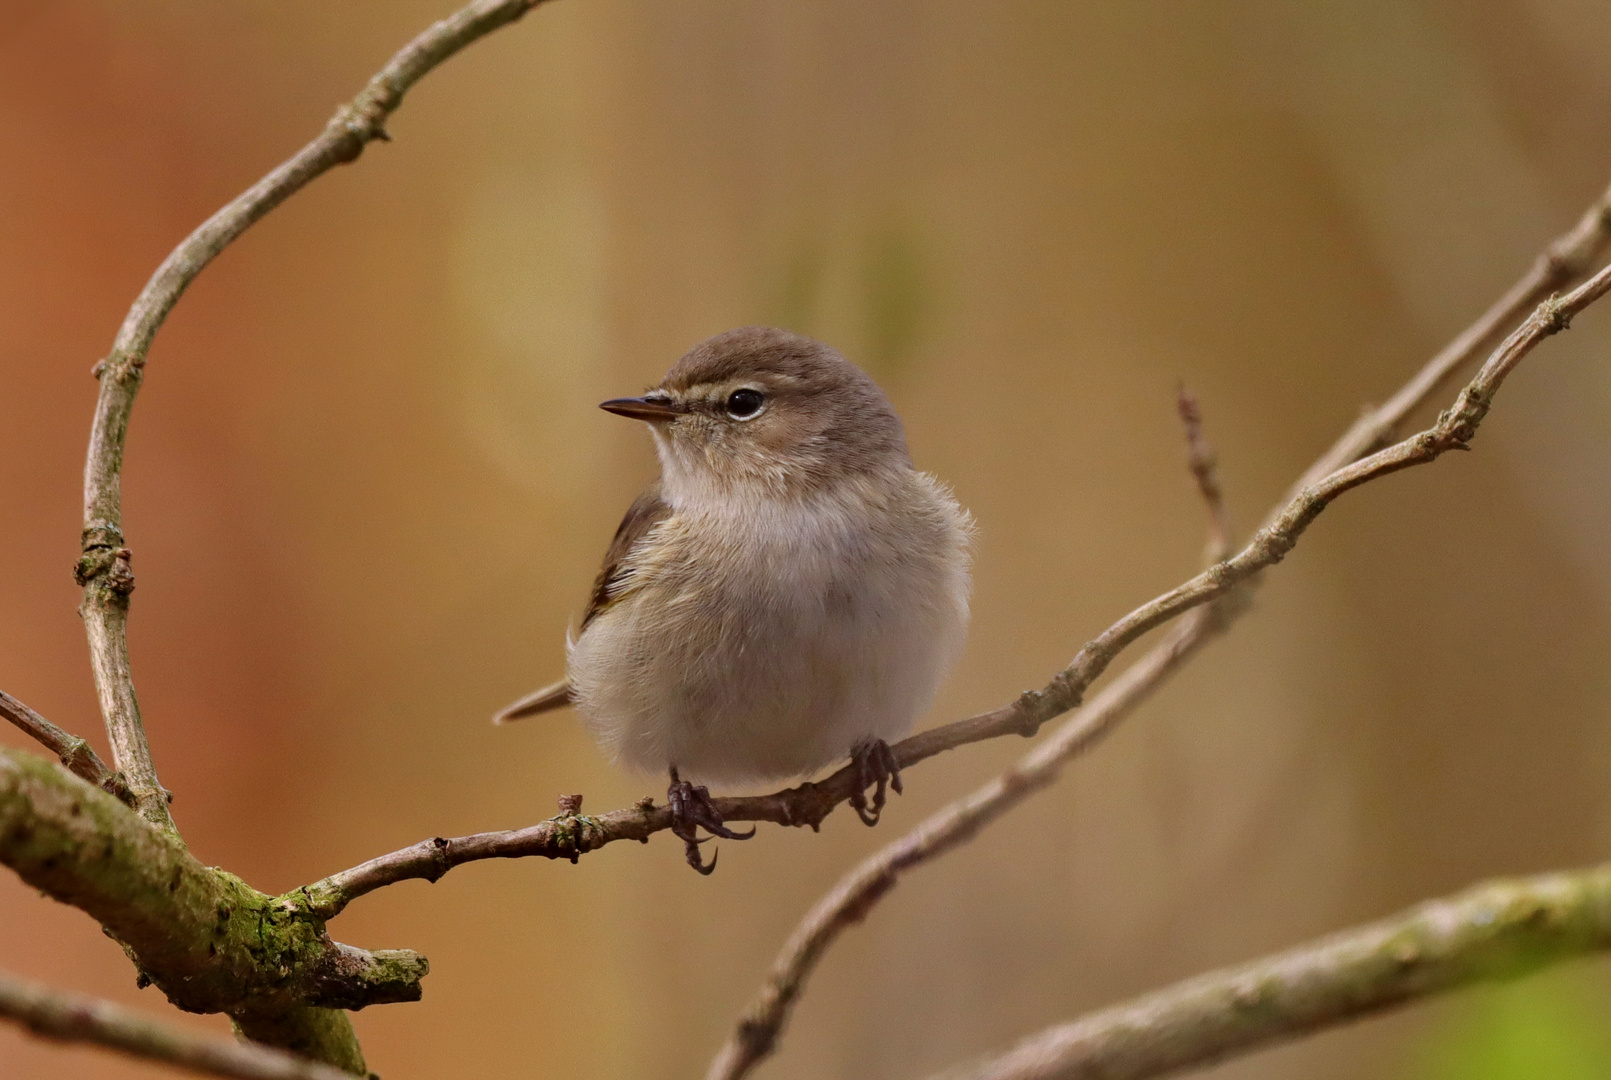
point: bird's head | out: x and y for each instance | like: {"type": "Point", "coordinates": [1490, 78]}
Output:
{"type": "Point", "coordinates": [768, 411]}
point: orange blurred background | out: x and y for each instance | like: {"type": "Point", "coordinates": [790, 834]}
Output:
{"type": "Point", "coordinates": [367, 485]}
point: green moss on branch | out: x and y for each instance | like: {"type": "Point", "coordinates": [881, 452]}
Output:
{"type": "Point", "coordinates": [207, 939]}
{"type": "Point", "coordinates": [1501, 929]}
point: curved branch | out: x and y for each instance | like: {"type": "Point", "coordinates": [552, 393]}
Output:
{"type": "Point", "coordinates": [1498, 930]}
{"type": "Point", "coordinates": [56, 1014]}
{"type": "Point", "coordinates": [756, 1034]}
{"type": "Point", "coordinates": [104, 567]}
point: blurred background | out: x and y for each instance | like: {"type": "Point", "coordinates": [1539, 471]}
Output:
{"type": "Point", "coordinates": [367, 485]}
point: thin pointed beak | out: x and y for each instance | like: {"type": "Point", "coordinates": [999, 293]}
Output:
{"type": "Point", "coordinates": [641, 408]}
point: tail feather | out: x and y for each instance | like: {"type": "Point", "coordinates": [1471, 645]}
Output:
{"type": "Point", "coordinates": [549, 697]}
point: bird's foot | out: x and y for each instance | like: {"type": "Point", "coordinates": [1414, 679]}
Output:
{"type": "Point", "coordinates": [692, 810]}
{"type": "Point", "coordinates": [876, 768]}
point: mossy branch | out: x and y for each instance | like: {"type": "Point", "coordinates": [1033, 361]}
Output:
{"type": "Point", "coordinates": [208, 940]}
{"type": "Point", "coordinates": [1497, 930]}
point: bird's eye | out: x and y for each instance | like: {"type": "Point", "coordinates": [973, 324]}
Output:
{"type": "Point", "coordinates": [743, 404]}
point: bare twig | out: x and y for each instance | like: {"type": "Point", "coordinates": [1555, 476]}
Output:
{"type": "Point", "coordinates": [1202, 461]}
{"type": "Point", "coordinates": [104, 568]}
{"type": "Point", "coordinates": [1567, 258]}
{"type": "Point", "coordinates": [756, 1034]}
{"type": "Point", "coordinates": [56, 1014]}
{"type": "Point", "coordinates": [568, 837]}
{"type": "Point", "coordinates": [1498, 930]}
{"type": "Point", "coordinates": [74, 752]}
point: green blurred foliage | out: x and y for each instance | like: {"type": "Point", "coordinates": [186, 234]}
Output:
{"type": "Point", "coordinates": [1549, 1028]}
{"type": "Point", "coordinates": [870, 292]}
{"type": "Point", "coordinates": [800, 297]}
{"type": "Point", "coordinates": [895, 296]}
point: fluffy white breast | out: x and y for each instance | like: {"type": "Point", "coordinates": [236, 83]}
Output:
{"type": "Point", "coordinates": [761, 638]}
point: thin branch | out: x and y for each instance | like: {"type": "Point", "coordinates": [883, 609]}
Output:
{"type": "Point", "coordinates": [1202, 461]}
{"type": "Point", "coordinates": [1501, 929]}
{"type": "Point", "coordinates": [56, 1014]}
{"type": "Point", "coordinates": [756, 1034]}
{"type": "Point", "coordinates": [572, 835]}
{"type": "Point", "coordinates": [1567, 258]}
{"type": "Point", "coordinates": [104, 568]}
{"type": "Point", "coordinates": [79, 757]}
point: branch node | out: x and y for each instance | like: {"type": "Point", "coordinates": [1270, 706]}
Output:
{"type": "Point", "coordinates": [1029, 712]}
{"type": "Point", "coordinates": [1554, 315]}
{"type": "Point", "coordinates": [120, 575]}
{"type": "Point", "coordinates": [439, 859]}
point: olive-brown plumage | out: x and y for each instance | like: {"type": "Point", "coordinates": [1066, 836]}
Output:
{"type": "Point", "coordinates": [791, 590]}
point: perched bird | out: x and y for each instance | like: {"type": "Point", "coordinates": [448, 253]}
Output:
{"type": "Point", "coordinates": [789, 594]}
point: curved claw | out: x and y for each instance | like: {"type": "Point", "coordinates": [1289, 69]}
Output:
{"type": "Point", "coordinates": [877, 768]}
{"type": "Point", "coordinates": [692, 810]}
{"type": "Point", "coordinates": [702, 868]}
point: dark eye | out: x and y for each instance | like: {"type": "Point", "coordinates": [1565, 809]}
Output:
{"type": "Point", "coordinates": [743, 404]}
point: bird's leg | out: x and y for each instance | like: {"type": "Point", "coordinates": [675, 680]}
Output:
{"type": "Point", "coordinates": [691, 810]}
{"type": "Point", "coordinates": [875, 767]}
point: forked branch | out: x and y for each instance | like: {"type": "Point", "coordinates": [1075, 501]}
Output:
{"type": "Point", "coordinates": [176, 957]}
{"type": "Point", "coordinates": [570, 835]}
{"type": "Point", "coordinates": [756, 1033]}
{"type": "Point", "coordinates": [79, 756]}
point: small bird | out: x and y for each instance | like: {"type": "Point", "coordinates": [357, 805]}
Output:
{"type": "Point", "coordinates": [789, 593]}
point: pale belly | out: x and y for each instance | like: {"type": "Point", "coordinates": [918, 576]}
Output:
{"type": "Point", "coordinates": [776, 673]}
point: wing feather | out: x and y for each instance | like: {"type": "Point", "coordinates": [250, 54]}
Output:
{"type": "Point", "coordinates": [646, 511]}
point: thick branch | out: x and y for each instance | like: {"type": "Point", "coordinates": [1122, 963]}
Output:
{"type": "Point", "coordinates": [207, 939]}
{"type": "Point", "coordinates": [756, 1034]}
{"type": "Point", "coordinates": [104, 568]}
{"type": "Point", "coordinates": [74, 752]}
{"type": "Point", "coordinates": [1498, 930]}
{"type": "Point", "coordinates": [55, 1014]}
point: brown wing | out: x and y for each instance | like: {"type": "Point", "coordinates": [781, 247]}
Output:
{"type": "Point", "coordinates": [646, 511]}
{"type": "Point", "coordinates": [641, 516]}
